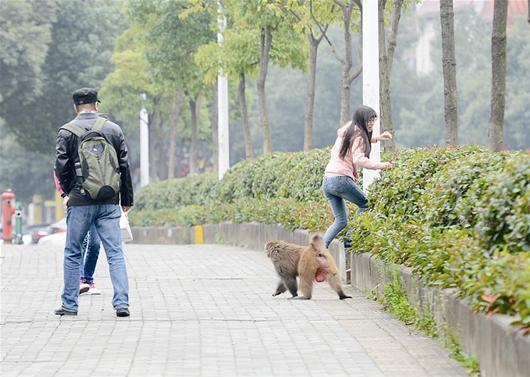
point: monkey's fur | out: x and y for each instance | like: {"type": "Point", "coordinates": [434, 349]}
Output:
{"type": "Point", "coordinates": [312, 262]}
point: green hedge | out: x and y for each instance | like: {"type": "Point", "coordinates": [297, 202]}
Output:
{"type": "Point", "coordinates": [176, 193]}
{"type": "Point", "coordinates": [459, 217]}
{"type": "Point", "coordinates": [278, 175]}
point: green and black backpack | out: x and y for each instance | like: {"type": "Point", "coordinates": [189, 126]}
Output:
{"type": "Point", "coordinates": [97, 167]}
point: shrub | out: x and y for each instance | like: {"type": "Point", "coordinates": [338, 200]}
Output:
{"type": "Point", "coordinates": [503, 211]}
{"type": "Point", "coordinates": [397, 192]}
{"type": "Point", "coordinates": [448, 197]}
{"type": "Point", "coordinates": [309, 170]}
{"type": "Point", "coordinates": [175, 193]}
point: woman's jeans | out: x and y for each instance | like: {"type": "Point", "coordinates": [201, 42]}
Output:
{"type": "Point", "coordinates": [89, 256]}
{"type": "Point", "coordinates": [337, 189]}
{"type": "Point", "coordinates": [106, 219]}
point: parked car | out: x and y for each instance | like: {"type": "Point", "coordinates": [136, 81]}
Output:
{"type": "Point", "coordinates": [58, 227]}
{"type": "Point", "coordinates": [41, 231]}
{"type": "Point", "coordinates": [37, 231]}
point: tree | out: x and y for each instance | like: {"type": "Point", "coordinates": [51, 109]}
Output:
{"type": "Point", "coordinates": [262, 19]}
{"type": "Point", "coordinates": [25, 39]}
{"type": "Point", "coordinates": [449, 72]}
{"type": "Point", "coordinates": [237, 57]}
{"type": "Point", "coordinates": [498, 74]}
{"type": "Point", "coordinates": [348, 72]}
{"type": "Point", "coordinates": [173, 35]}
{"type": "Point", "coordinates": [123, 89]}
{"type": "Point", "coordinates": [386, 57]}
{"type": "Point", "coordinates": [25, 177]}
{"type": "Point", "coordinates": [247, 50]}
{"type": "Point", "coordinates": [48, 52]}
{"type": "Point", "coordinates": [312, 20]}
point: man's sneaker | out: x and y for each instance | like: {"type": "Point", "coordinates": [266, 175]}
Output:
{"type": "Point", "coordinates": [92, 290]}
{"type": "Point", "coordinates": [124, 312]}
{"type": "Point", "coordinates": [63, 311]}
{"type": "Point", "coordinates": [83, 288]}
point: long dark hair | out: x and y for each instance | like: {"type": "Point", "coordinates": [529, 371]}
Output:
{"type": "Point", "coordinates": [360, 119]}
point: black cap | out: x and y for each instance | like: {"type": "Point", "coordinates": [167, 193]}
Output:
{"type": "Point", "coordinates": [85, 95]}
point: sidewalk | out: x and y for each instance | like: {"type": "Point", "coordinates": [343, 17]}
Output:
{"type": "Point", "coordinates": [198, 310]}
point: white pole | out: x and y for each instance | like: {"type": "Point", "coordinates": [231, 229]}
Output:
{"type": "Point", "coordinates": [371, 78]}
{"type": "Point", "coordinates": [144, 146]}
{"type": "Point", "coordinates": [222, 104]}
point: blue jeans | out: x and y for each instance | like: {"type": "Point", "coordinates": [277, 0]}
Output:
{"type": "Point", "coordinates": [336, 190]}
{"type": "Point", "coordinates": [90, 254]}
{"type": "Point", "coordinates": [106, 219]}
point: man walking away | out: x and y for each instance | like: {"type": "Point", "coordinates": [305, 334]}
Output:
{"type": "Point", "coordinates": [93, 170]}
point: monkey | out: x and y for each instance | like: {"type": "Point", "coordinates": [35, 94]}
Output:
{"type": "Point", "coordinates": [285, 258]}
{"type": "Point", "coordinates": [312, 262]}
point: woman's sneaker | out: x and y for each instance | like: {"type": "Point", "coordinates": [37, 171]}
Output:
{"type": "Point", "coordinates": [92, 290]}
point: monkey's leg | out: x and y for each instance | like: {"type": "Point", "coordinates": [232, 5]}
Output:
{"type": "Point", "coordinates": [281, 288]}
{"type": "Point", "coordinates": [290, 283]}
{"type": "Point", "coordinates": [306, 286]}
{"type": "Point", "coordinates": [334, 282]}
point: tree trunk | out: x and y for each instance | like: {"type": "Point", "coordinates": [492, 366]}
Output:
{"type": "Point", "coordinates": [194, 111]}
{"type": "Point", "coordinates": [152, 125]}
{"type": "Point", "coordinates": [265, 46]}
{"type": "Point", "coordinates": [245, 124]}
{"type": "Point", "coordinates": [176, 109]}
{"type": "Point", "coordinates": [156, 124]}
{"type": "Point", "coordinates": [386, 56]}
{"type": "Point", "coordinates": [153, 166]}
{"type": "Point", "coordinates": [311, 83]}
{"type": "Point", "coordinates": [449, 72]}
{"type": "Point", "coordinates": [385, 113]}
{"type": "Point", "coordinates": [345, 82]}
{"type": "Point", "coordinates": [214, 120]}
{"type": "Point", "coordinates": [498, 74]}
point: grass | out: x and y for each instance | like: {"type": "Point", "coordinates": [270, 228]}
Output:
{"type": "Point", "coordinates": [396, 302]}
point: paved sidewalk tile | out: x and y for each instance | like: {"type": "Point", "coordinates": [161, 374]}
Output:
{"type": "Point", "coordinates": [198, 310]}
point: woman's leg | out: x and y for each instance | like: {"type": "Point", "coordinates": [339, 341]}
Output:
{"type": "Point", "coordinates": [83, 256]}
{"type": "Point", "coordinates": [92, 253]}
{"type": "Point", "coordinates": [339, 210]}
{"type": "Point", "coordinates": [350, 191]}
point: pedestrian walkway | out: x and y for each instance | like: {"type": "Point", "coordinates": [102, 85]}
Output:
{"type": "Point", "coordinates": [198, 310]}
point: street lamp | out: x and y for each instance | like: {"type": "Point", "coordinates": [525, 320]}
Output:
{"type": "Point", "coordinates": [144, 144]}
{"type": "Point", "coordinates": [222, 104]}
{"type": "Point", "coordinates": [371, 78]}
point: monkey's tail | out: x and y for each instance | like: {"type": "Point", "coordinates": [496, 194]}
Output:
{"type": "Point", "coordinates": [318, 242]}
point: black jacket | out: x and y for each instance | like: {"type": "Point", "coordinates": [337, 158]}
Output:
{"type": "Point", "coordinates": [66, 155]}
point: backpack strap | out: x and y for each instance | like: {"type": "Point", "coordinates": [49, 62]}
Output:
{"type": "Point", "coordinates": [74, 128]}
{"type": "Point", "coordinates": [79, 131]}
{"type": "Point", "coordinates": [98, 126]}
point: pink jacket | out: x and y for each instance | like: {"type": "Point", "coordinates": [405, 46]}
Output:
{"type": "Point", "coordinates": [354, 158]}
{"type": "Point", "coordinates": [57, 184]}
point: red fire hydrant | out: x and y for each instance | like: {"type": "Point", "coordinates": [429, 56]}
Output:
{"type": "Point", "coordinates": [8, 209]}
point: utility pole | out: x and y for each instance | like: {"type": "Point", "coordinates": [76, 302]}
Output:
{"type": "Point", "coordinates": [222, 104]}
{"type": "Point", "coordinates": [370, 36]}
{"type": "Point", "coordinates": [144, 145]}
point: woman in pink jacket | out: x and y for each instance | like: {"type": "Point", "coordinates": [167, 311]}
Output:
{"type": "Point", "coordinates": [350, 152]}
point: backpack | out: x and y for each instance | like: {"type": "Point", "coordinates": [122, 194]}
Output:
{"type": "Point", "coordinates": [97, 167]}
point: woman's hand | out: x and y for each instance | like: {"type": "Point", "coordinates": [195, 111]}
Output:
{"type": "Point", "coordinates": [385, 136]}
{"type": "Point", "coordinates": [388, 165]}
